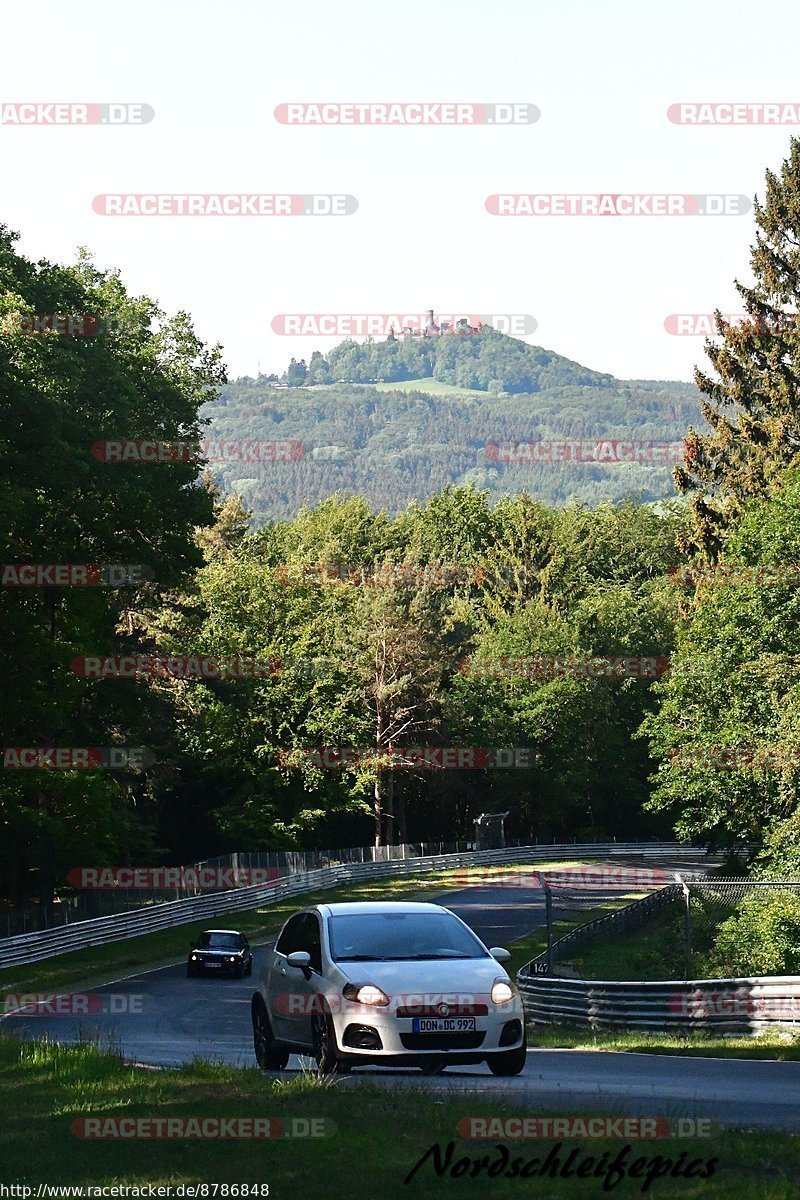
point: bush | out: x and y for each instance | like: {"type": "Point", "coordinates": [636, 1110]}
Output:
{"type": "Point", "coordinates": [781, 854]}
{"type": "Point", "coordinates": [762, 938]}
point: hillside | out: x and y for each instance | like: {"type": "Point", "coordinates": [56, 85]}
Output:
{"type": "Point", "coordinates": [394, 442]}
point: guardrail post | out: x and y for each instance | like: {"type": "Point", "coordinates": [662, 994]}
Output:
{"type": "Point", "coordinates": [687, 924]}
{"type": "Point", "coordinates": [548, 912]}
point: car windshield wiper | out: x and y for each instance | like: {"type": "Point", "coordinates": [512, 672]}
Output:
{"type": "Point", "coordinates": [421, 957]}
{"type": "Point", "coordinates": [361, 958]}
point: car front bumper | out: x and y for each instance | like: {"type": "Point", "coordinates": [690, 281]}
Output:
{"type": "Point", "coordinates": [222, 968]}
{"type": "Point", "coordinates": [376, 1036]}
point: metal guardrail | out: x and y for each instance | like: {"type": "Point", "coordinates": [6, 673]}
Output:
{"type": "Point", "coordinates": [725, 1005]}
{"type": "Point", "coordinates": [77, 905]}
{"type": "Point", "coordinates": [81, 935]}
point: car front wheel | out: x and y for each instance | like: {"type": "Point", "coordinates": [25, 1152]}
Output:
{"type": "Point", "coordinates": [268, 1056]}
{"type": "Point", "coordinates": [328, 1061]}
{"type": "Point", "coordinates": [509, 1062]}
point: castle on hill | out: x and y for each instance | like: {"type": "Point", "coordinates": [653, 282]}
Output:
{"type": "Point", "coordinates": [461, 327]}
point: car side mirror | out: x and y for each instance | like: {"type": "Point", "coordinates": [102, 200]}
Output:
{"type": "Point", "coordinates": [499, 954]}
{"type": "Point", "coordinates": [300, 959]}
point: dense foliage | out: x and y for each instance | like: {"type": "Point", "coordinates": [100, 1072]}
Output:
{"type": "Point", "coordinates": [395, 447]}
{"type": "Point", "coordinates": [322, 567]}
{"type": "Point", "coordinates": [761, 938]}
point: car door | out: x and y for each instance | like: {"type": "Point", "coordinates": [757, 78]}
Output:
{"type": "Point", "coordinates": [291, 995]}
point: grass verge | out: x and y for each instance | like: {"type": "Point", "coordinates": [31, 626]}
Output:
{"type": "Point", "coordinates": [535, 943]}
{"type": "Point", "coordinates": [698, 1044]}
{"type": "Point", "coordinates": [656, 950]}
{"type": "Point", "coordinates": [380, 1135]}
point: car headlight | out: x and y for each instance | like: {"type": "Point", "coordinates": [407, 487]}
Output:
{"type": "Point", "coordinates": [503, 991]}
{"type": "Point", "coordinates": [232, 958]}
{"type": "Point", "coordinates": [194, 958]}
{"type": "Point", "coordinates": [365, 993]}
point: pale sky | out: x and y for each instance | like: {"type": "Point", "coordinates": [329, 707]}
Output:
{"type": "Point", "coordinates": [603, 76]}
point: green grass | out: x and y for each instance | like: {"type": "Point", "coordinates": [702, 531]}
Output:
{"type": "Point", "coordinates": [380, 1135]}
{"type": "Point", "coordinates": [102, 964]}
{"type": "Point", "coordinates": [535, 943]}
{"type": "Point", "coordinates": [698, 1044]}
{"type": "Point", "coordinates": [428, 386]}
{"type": "Point", "coordinates": [653, 951]}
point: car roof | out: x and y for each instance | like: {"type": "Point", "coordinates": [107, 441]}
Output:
{"type": "Point", "coordinates": [366, 907]}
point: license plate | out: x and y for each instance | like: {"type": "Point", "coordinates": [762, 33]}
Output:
{"type": "Point", "coordinates": [212, 966]}
{"type": "Point", "coordinates": [443, 1025]}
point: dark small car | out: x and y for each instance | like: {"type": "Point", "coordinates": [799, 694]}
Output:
{"type": "Point", "coordinates": [220, 952]}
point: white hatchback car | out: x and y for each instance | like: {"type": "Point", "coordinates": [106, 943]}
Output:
{"type": "Point", "coordinates": [386, 983]}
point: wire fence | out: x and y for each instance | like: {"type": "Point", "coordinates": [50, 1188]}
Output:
{"type": "Point", "coordinates": [70, 904]}
{"type": "Point", "coordinates": [707, 904]}
{"type": "Point", "coordinates": [679, 932]}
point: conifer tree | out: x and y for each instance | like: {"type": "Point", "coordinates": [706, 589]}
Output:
{"type": "Point", "coordinates": [752, 401]}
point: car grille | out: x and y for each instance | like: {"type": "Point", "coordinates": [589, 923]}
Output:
{"type": "Point", "coordinates": [453, 1010]}
{"type": "Point", "coordinates": [442, 1041]}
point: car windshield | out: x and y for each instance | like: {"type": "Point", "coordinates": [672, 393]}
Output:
{"type": "Point", "coordinates": [219, 941]}
{"type": "Point", "coordinates": [401, 937]}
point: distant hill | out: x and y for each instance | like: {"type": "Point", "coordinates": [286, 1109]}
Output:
{"type": "Point", "coordinates": [394, 442]}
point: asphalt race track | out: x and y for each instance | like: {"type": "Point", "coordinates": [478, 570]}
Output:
{"type": "Point", "coordinates": [169, 1020]}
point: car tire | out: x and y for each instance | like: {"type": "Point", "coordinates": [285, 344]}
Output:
{"type": "Point", "coordinates": [434, 1067]}
{"type": "Point", "coordinates": [325, 1050]}
{"type": "Point", "coordinates": [268, 1056]}
{"type": "Point", "coordinates": [239, 971]}
{"type": "Point", "coordinates": [508, 1062]}
{"type": "Point", "coordinates": [250, 967]}
{"type": "Point", "coordinates": [189, 973]}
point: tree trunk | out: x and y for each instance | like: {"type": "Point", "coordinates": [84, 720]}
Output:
{"type": "Point", "coordinates": [377, 808]}
{"type": "Point", "coordinates": [402, 828]}
{"type": "Point", "coordinates": [389, 809]}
